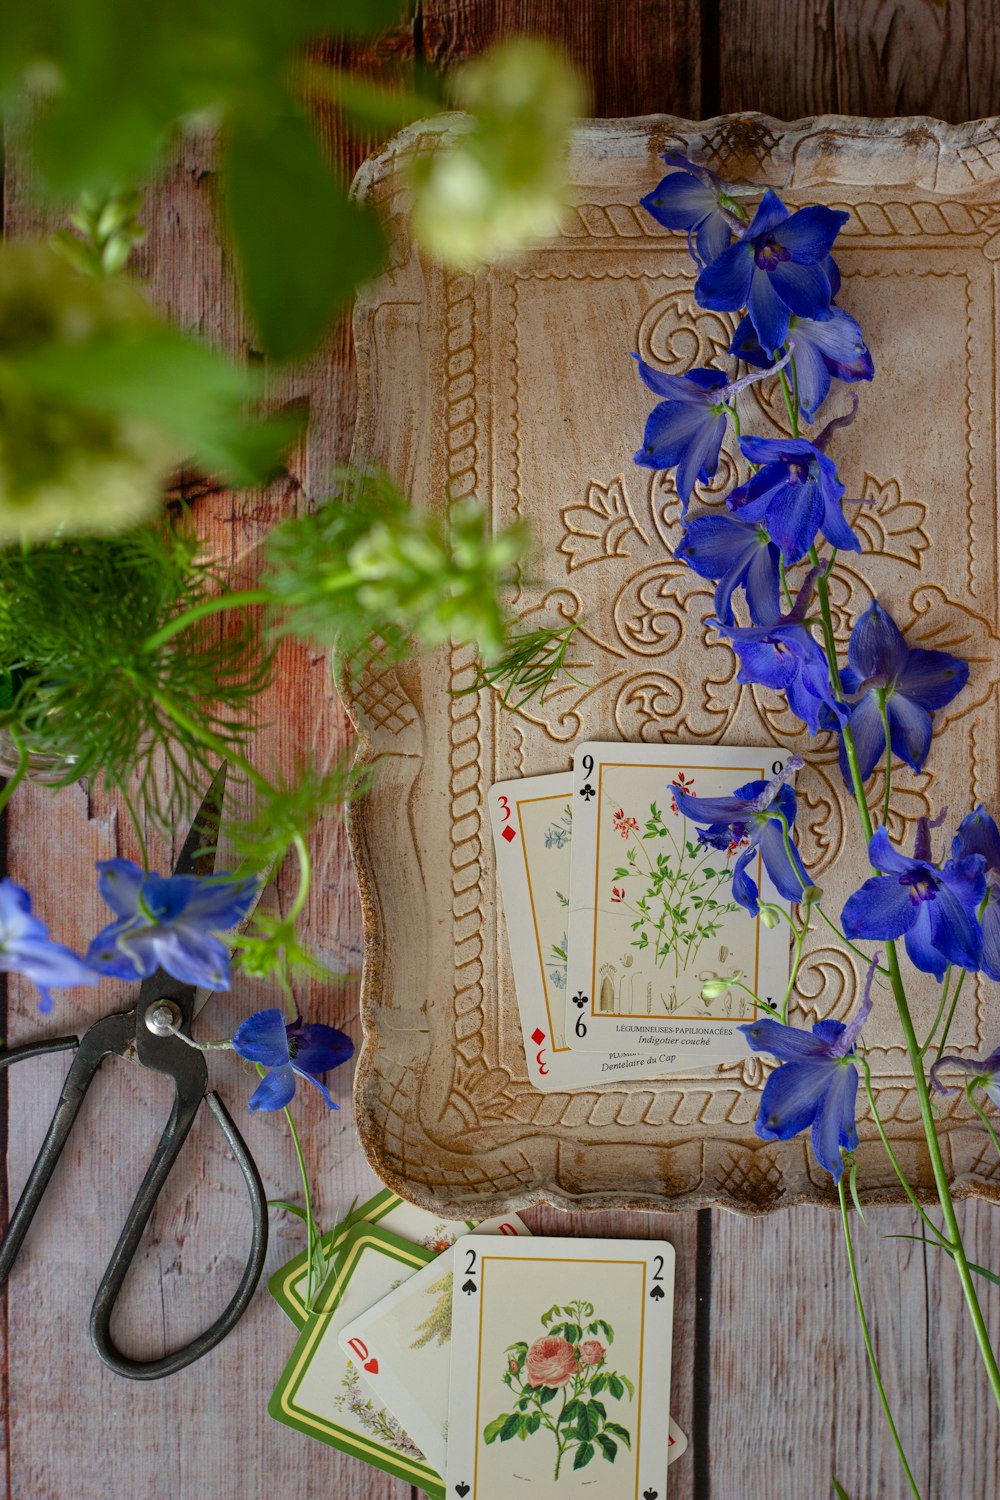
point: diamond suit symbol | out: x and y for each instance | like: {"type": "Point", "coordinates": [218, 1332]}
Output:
{"type": "Point", "coordinates": [508, 834]}
{"type": "Point", "coordinates": [538, 1035]}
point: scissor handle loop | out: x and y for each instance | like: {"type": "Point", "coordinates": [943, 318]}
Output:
{"type": "Point", "coordinates": [180, 1122]}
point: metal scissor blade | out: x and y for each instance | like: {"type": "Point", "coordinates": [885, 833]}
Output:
{"type": "Point", "coordinates": [207, 820]}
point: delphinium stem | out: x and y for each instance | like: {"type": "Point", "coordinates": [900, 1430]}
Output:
{"type": "Point", "coordinates": [910, 1039]}
{"type": "Point", "coordinates": [868, 1342]}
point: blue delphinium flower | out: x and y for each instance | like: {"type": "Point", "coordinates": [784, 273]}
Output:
{"type": "Point", "coordinates": [739, 554]}
{"type": "Point", "coordinates": [794, 494]}
{"type": "Point", "coordinates": [784, 655]}
{"type": "Point", "coordinates": [828, 347]}
{"type": "Point", "coordinates": [932, 909]}
{"type": "Point", "coordinates": [775, 269]}
{"type": "Point", "coordinates": [748, 819]}
{"type": "Point", "coordinates": [288, 1049]}
{"type": "Point", "coordinates": [912, 684]}
{"type": "Point", "coordinates": [691, 198]}
{"type": "Point", "coordinates": [26, 948]}
{"type": "Point", "coordinates": [978, 834]}
{"type": "Point", "coordinates": [686, 428]}
{"type": "Point", "coordinates": [984, 1073]}
{"type": "Point", "coordinates": [167, 921]}
{"type": "Point", "coordinates": [817, 1085]}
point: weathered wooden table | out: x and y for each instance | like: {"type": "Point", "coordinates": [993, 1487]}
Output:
{"type": "Point", "coordinates": [770, 1379]}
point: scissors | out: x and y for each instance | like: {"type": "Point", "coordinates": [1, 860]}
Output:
{"type": "Point", "coordinates": [151, 1033]}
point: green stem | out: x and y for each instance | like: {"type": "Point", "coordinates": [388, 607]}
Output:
{"type": "Point", "coordinates": [312, 1233]}
{"type": "Point", "coordinates": [982, 1115]}
{"type": "Point", "coordinates": [865, 958]}
{"type": "Point", "coordinates": [892, 1155]}
{"type": "Point", "coordinates": [790, 407]}
{"type": "Point", "coordinates": [784, 582]}
{"type": "Point", "coordinates": [913, 1047]}
{"type": "Point", "coordinates": [21, 770]}
{"type": "Point", "coordinates": [888, 757]}
{"type": "Point", "coordinates": [305, 877]}
{"type": "Point", "coordinates": [940, 1011]}
{"type": "Point", "coordinates": [800, 937]}
{"type": "Point", "coordinates": [245, 599]}
{"type": "Point", "coordinates": [868, 1341]}
{"type": "Point", "coordinates": [951, 1013]}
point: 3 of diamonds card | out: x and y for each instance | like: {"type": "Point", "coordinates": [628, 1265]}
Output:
{"type": "Point", "coordinates": [532, 829]}
{"type": "Point", "coordinates": [652, 914]}
{"type": "Point", "coordinates": [560, 1372]}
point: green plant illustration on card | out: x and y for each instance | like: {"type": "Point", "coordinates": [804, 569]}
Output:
{"type": "Point", "coordinates": [677, 888]}
{"type": "Point", "coordinates": [557, 1383]}
{"type": "Point", "coordinates": [557, 836]}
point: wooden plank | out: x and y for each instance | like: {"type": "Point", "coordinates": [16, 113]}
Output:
{"type": "Point", "coordinates": [982, 54]}
{"type": "Point", "coordinates": [640, 56]}
{"type": "Point", "coordinates": [785, 69]}
{"type": "Point", "coordinates": [902, 57]}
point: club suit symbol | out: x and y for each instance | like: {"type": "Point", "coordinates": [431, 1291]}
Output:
{"type": "Point", "coordinates": [586, 792]}
{"type": "Point", "coordinates": [580, 999]}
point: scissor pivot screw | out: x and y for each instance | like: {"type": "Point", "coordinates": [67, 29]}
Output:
{"type": "Point", "coordinates": [164, 1018]}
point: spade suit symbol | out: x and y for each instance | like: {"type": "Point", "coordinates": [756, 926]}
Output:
{"type": "Point", "coordinates": [469, 1288]}
{"type": "Point", "coordinates": [462, 1490]}
{"type": "Point", "coordinates": [649, 1494]}
{"type": "Point", "coordinates": [657, 1292]}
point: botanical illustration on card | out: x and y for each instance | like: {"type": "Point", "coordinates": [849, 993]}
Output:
{"type": "Point", "coordinates": [557, 1382]}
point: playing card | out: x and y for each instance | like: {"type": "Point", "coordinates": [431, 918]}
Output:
{"type": "Point", "coordinates": [532, 827]}
{"type": "Point", "coordinates": [403, 1345]}
{"type": "Point", "coordinates": [563, 1345]}
{"type": "Point", "coordinates": [321, 1391]}
{"type": "Point", "coordinates": [288, 1284]}
{"type": "Point", "coordinates": [652, 917]}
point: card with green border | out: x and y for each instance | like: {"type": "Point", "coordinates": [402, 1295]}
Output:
{"type": "Point", "coordinates": [288, 1284]}
{"type": "Point", "coordinates": [322, 1393]}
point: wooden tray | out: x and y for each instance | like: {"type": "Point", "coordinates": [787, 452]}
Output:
{"type": "Point", "coordinates": [516, 385]}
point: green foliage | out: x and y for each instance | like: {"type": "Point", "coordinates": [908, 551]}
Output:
{"type": "Point", "coordinates": [108, 231]}
{"type": "Point", "coordinates": [100, 400]}
{"type": "Point", "coordinates": [367, 563]}
{"type": "Point", "coordinates": [528, 664]}
{"type": "Point", "coordinates": [499, 184]}
{"type": "Point", "coordinates": [75, 617]}
{"type": "Point", "coordinates": [302, 259]}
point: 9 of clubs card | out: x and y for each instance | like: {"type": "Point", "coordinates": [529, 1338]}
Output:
{"type": "Point", "coordinates": [652, 913]}
{"type": "Point", "coordinates": [560, 1372]}
{"type": "Point", "coordinates": [532, 831]}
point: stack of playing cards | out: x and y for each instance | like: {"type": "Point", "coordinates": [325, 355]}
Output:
{"type": "Point", "coordinates": [498, 1363]}
{"type": "Point", "coordinates": [631, 958]}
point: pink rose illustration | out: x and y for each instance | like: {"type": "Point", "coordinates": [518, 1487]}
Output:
{"type": "Point", "coordinates": [551, 1362]}
{"type": "Point", "coordinates": [591, 1353]}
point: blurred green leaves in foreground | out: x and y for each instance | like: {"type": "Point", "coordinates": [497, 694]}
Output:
{"type": "Point", "coordinates": [122, 653]}
{"type": "Point", "coordinates": [113, 82]}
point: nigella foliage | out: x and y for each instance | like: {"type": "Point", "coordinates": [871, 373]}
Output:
{"type": "Point", "coordinates": [83, 687]}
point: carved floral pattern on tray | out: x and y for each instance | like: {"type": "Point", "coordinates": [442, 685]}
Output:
{"type": "Point", "coordinates": [516, 385]}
